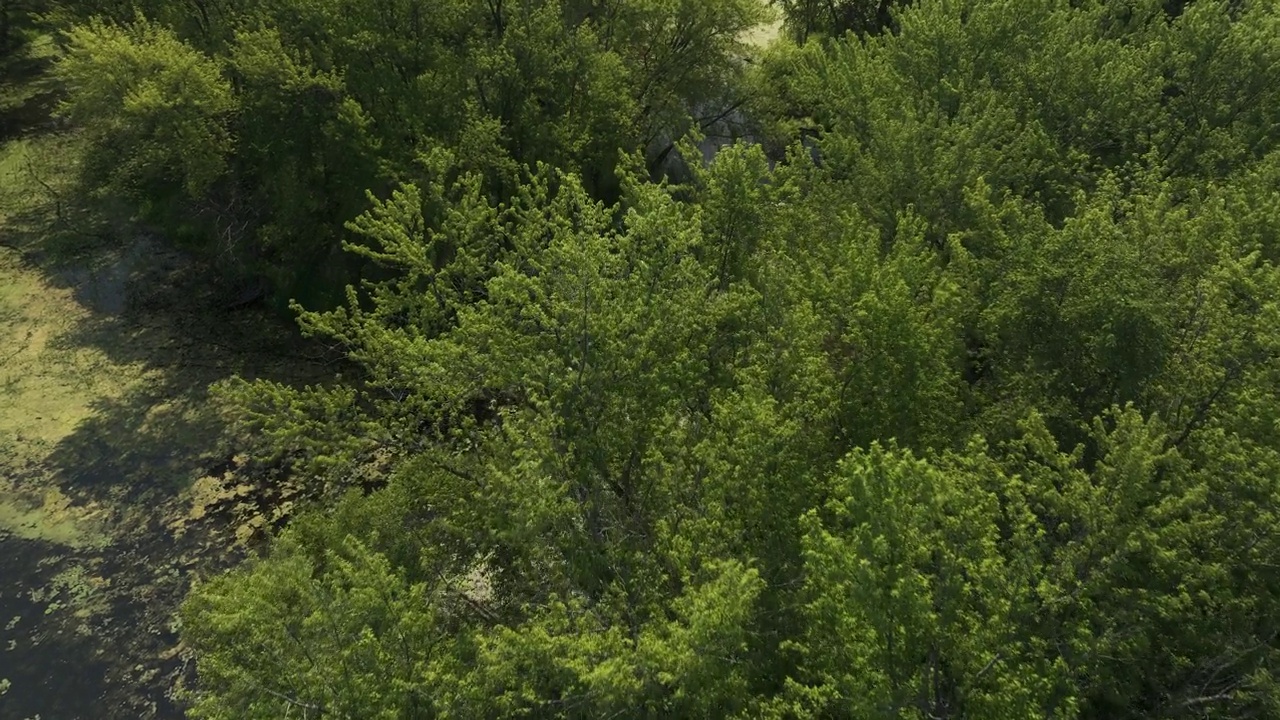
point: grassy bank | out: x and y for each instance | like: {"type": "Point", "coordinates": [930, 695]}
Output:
{"type": "Point", "coordinates": [118, 480]}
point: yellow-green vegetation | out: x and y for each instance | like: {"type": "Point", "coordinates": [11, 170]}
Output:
{"type": "Point", "coordinates": [963, 406]}
{"type": "Point", "coordinates": [48, 389]}
{"type": "Point", "coordinates": [51, 518]}
{"type": "Point", "coordinates": [114, 471]}
{"type": "Point", "coordinates": [50, 381]}
{"type": "Point", "coordinates": [924, 365]}
{"type": "Point", "coordinates": [56, 379]}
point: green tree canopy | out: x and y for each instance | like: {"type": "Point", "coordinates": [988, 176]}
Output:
{"type": "Point", "coordinates": [965, 406]}
{"type": "Point", "coordinates": [336, 97]}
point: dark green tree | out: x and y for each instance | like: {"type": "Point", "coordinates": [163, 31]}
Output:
{"type": "Point", "coordinates": [333, 98]}
{"type": "Point", "coordinates": [966, 409]}
{"type": "Point", "coordinates": [834, 18]}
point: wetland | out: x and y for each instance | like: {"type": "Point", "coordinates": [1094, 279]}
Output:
{"type": "Point", "coordinates": [119, 482]}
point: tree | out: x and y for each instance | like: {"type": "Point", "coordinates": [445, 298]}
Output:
{"type": "Point", "coordinates": [834, 18]}
{"type": "Point", "coordinates": [954, 419]}
{"type": "Point", "coordinates": [335, 98]}
{"type": "Point", "coordinates": [156, 112]}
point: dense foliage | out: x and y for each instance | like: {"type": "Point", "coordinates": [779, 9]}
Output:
{"type": "Point", "coordinates": [264, 124]}
{"type": "Point", "coordinates": [806, 18]}
{"type": "Point", "coordinates": [956, 396]}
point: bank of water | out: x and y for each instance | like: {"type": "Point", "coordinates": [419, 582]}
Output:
{"type": "Point", "coordinates": [119, 482]}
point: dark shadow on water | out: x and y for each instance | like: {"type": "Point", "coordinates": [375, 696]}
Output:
{"type": "Point", "coordinates": [54, 671]}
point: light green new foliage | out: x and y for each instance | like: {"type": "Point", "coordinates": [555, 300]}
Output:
{"type": "Point", "coordinates": [155, 108]}
{"type": "Point", "coordinates": [645, 440]}
{"type": "Point", "coordinates": [569, 661]}
{"type": "Point", "coordinates": [595, 331]}
{"type": "Point", "coordinates": [354, 614]}
{"type": "Point", "coordinates": [916, 585]}
{"type": "Point", "coordinates": [341, 641]}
